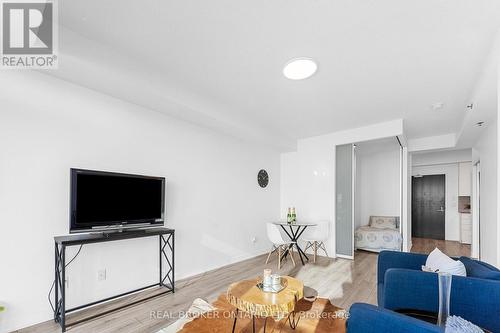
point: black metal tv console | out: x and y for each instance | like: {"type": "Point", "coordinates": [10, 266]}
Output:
{"type": "Point", "coordinates": [166, 253]}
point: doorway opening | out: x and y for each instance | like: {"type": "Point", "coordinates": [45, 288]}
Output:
{"type": "Point", "coordinates": [368, 198]}
{"type": "Point", "coordinates": [440, 214]}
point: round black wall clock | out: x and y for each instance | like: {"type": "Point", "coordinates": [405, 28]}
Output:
{"type": "Point", "coordinates": [263, 178]}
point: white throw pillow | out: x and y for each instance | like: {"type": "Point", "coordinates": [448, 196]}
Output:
{"type": "Point", "coordinates": [437, 261]}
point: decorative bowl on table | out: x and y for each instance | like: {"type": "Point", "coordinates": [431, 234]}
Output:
{"type": "Point", "coordinates": [272, 284]}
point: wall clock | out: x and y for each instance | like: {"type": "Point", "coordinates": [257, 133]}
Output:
{"type": "Point", "coordinates": [263, 178]}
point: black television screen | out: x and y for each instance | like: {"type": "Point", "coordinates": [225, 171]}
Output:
{"type": "Point", "coordinates": [103, 200]}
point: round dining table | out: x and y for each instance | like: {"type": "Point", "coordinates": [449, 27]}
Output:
{"type": "Point", "coordinates": [294, 231]}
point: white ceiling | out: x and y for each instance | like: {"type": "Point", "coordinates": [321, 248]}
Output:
{"type": "Point", "coordinates": [223, 59]}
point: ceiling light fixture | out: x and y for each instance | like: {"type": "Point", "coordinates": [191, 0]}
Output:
{"type": "Point", "coordinates": [300, 68]}
{"type": "Point", "coordinates": [437, 106]}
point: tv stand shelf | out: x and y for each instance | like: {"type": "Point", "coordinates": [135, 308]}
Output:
{"type": "Point", "coordinates": [166, 239]}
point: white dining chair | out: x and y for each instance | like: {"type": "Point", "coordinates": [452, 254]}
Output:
{"type": "Point", "coordinates": [279, 244]}
{"type": "Point", "coordinates": [315, 237]}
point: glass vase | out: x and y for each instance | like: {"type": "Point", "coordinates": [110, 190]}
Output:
{"type": "Point", "coordinates": [444, 281]}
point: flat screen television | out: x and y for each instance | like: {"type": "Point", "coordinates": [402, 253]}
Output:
{"type": "Point", "coordinates": [107, 200]}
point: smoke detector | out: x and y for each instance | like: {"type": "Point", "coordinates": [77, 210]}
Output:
{"type": "Point", "coordinates": [437, 106]}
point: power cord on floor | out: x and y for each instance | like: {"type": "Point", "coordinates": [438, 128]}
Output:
{"type": "Point", "coordinates": [54, 283]}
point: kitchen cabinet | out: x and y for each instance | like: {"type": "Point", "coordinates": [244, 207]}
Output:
{"type": "Point", "coordinates": [465, 228]}
{"type": "Point", "coordinates": [465, 179]}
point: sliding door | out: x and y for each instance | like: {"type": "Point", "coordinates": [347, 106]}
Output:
{"type": "Point", "coordinates": [345, 164]}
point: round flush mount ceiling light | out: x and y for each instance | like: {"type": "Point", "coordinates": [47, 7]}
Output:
{"type": "Point", "coordinates": [300, 68]}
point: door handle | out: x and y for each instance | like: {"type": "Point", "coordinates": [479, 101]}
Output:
{"type": "Point", "coordinates": [440, 209]}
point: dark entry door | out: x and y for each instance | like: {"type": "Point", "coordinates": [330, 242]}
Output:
{"type": "Point", "coordinates": [428, 206]}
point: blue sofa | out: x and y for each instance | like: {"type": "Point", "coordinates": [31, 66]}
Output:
{"type": "Point", "coordinates": [367, 318]}
{"type": "Point", "coordinates": [402, 285]}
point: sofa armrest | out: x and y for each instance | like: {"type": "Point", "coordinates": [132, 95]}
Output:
{"type": "Point", "coordinates": [367, 318]}
{"type": "Point", "coordinates": [476, 300]}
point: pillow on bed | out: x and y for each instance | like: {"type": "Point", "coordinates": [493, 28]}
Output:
{"type": "Point", "coordinates": [383, 222]}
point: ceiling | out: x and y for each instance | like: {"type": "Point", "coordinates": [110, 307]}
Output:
{"type": "Point", "coordinates": [221, 61]}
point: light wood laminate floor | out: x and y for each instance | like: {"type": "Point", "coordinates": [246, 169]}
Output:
{"type": "Point", "coordinates": [342, 281]}
{"type": "Point", "coordinates": [450, 248]}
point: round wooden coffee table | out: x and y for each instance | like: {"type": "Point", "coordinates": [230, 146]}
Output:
{"type": "Point", "coordinates": [245, 296]}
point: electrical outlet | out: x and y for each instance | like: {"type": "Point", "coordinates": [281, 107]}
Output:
{"type": "Point", "coordinates": [101, 275]}
{"type": "Point", "coordinates": [254, 239]}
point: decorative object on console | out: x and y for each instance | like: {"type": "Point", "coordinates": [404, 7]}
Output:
{"type": "Point", "coordinates": [263, 178]}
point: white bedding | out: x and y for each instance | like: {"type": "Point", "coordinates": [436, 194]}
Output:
{"type": "Point", "coordinates": [376, 239]}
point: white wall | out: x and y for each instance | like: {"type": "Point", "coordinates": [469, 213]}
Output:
{"type": "Point", "coordinates": [377, 180]}
{"type": "Point", "coordinates": [486, 150]}
{"type": "Point", "coordinates": [48, 126]}
{"type": "Point", "coordinates": [308, 175]}
{"type": "Point", "coordinates": [407, 197]}
{"type": "Point", "coordinates": [452, 216]}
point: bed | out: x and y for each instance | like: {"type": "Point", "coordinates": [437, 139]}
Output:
{"type": "Point", "coordinates": [382, 233]}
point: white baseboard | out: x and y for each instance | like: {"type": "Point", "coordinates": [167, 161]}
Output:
{"type": "Point", "coordinates": [345, 257]}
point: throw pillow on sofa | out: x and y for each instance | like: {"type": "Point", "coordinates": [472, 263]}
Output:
{"type": "Point", "coordinates": [480, 270]}
{"type": "Point", "coordinates": [437, 261]}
